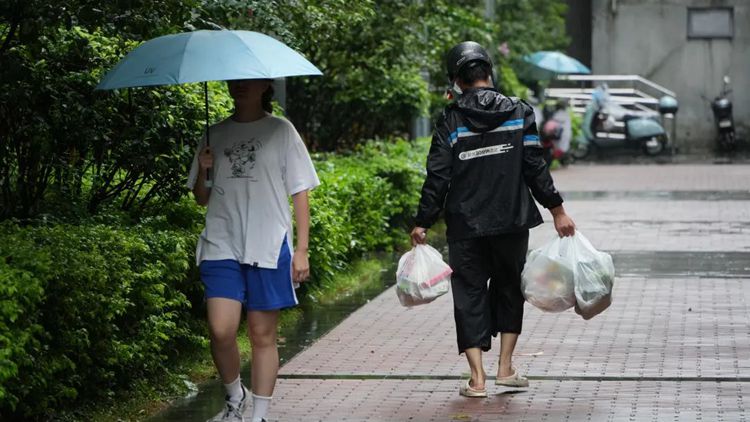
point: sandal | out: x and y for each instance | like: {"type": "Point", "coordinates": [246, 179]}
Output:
{"type": "Point", "coordinates": [514, 380]}
{"type": "Point", "coordinates": [466, 390]}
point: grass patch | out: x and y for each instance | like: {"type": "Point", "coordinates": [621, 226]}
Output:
{"type": "Point", "coordinates": [361, 275]}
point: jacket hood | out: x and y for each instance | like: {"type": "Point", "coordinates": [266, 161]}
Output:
{"type": "Point", "coordinates": [485, 109]}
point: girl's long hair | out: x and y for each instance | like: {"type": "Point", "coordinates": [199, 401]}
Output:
{"type": "Point", "coordinates": [266, 100]}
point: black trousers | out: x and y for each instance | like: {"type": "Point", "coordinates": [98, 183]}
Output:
{"type": "Point", "coordinates": [483, 309]}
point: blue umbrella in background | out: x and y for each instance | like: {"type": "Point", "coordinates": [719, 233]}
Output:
{"type": "Point", "coordinates": [203, 56]}
{"type": "Point", "coordinates": [548, 64]}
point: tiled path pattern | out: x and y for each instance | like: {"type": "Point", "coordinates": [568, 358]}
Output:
{"type": "Point", "coordinates": [674, 348]}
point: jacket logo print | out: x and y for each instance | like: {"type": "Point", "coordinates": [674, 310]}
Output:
{"type": "Point", "coordinates": [483, 152]}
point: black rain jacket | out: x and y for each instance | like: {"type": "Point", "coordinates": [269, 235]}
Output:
{"type": "Point", "coordinates": [484, 163]}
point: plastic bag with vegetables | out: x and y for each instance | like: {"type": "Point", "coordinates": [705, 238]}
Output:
{"type": "Point", "coordinates": [569, 272]}
{"type": "Point", "coordinates": [422, 276]}
{"type": "Point", "coordinates": [547, 278]}
{"type": "Point", "coordinates": [594, 274]}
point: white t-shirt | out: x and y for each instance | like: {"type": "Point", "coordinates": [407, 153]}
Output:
{"type": "Point", "coordinates": [257, 166]}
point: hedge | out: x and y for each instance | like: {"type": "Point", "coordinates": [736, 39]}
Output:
{"type": "Point", "coordinates": [365, 202]}
{"type": "Point", "coordinates": [88, 308]}
{"type": "Point", "coordinates": [85, 310]}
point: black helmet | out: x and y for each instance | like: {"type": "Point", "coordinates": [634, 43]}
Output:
{"type": "Point", "coordinates": [464, 53]}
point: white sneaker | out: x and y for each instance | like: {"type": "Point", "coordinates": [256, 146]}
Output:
{"type": "Point", "coordinates": [232, 413]}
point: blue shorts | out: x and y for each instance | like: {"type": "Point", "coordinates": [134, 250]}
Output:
{"type": "Point", "coordinates": [258, 289]}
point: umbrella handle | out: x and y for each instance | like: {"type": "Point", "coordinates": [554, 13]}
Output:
{"type": "Point", "coordinates": [209, 183]}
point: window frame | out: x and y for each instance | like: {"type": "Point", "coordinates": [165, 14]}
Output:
{"type": "Point", "coordinates": [692, 36]}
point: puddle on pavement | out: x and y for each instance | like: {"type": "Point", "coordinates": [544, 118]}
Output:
{"type": "Point", "coordinates": [684, 228]}
{"type": "Point", "coordinates": [698, 195]}
{"type": "Point", "coordinates": [682, 264]}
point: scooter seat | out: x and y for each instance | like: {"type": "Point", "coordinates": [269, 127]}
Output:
{"type": "Point", "coordinates": [640, 128]}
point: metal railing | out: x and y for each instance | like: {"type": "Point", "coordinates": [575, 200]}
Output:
{"type": "Point", "coordinates": [632, 79]}
{"type": "Point", "coordinates": [629, 91]}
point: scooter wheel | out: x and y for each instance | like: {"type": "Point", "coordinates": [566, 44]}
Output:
{"type": "Point", "coordinates": [581, 150]}
{"type": "Point", "coordinates": [654, 146]}
{"type": "Point", "coordinates": [728, 142]}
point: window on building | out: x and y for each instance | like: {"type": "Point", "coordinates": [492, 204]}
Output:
{"type": "Point", "coordinates": [711, 22]}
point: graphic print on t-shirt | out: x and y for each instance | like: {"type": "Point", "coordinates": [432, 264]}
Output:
{"type": "Point", "coordinates": [242, 157]}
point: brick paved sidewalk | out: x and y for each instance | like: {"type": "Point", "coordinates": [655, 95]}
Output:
{"type": "Point", "coordinates": [669, 348]}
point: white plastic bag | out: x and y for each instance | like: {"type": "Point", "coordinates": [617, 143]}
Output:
{"type": "Point", "coordinates": [422, 276]}
{"type": "Point", "coordinates": [569, 272]}
{"type": "Point", "coordinates": [594, 274]}
{"type": "Point", "coordinates": [547, 278]}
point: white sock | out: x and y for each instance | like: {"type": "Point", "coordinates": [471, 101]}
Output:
{"type": "Point", "coordinates": [234, 391]}
{"type": "Point", "coordinates": [260, 407]}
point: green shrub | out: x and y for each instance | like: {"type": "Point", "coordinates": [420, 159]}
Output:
{"type": "Point", "coordinates": [509, 83]}
{"type": "Point", "coordinates": [20, 294]}
{"type": "Point", "coordinates": [576, 123]}
{"type": "Point", "coordinates": [86, 310]}
{"type": "Point", "coordinates": [365, 202]}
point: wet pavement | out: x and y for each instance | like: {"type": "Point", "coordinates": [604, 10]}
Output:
{"type": "Point", "coordinates": [698, 195]}
{"type": "Point", "coordinates": [674, 345]}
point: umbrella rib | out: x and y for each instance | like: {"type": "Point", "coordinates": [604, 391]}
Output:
{"type": "Point", "coordinates": [182, 63]}
{"type": "Point", "coordinates": [267, 71]}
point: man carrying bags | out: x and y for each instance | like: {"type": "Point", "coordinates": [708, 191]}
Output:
{"type": "Point", "coordinates": [484, 164]}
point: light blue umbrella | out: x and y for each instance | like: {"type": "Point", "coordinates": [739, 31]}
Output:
{"type": "Point", "coordinates": [547, 64]}
{"type": "Point", "coordinates": [202, 56]}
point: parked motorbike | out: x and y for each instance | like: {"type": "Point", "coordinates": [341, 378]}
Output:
{"type": "Point", "coordinates": [722, 109]}
{"type": "Point", "coordinates": [607, 124]}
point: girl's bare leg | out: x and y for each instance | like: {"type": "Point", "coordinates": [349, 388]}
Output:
{"type": "Point", "coordinates": [261, 328]}
{"type": "Point", "coordinates": [223, 322]}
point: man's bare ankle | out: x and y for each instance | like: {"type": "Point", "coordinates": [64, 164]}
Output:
{"type": "Point", "coordinates": [505, 370]}
{"type": "Point", "coordinates": [476, 384]}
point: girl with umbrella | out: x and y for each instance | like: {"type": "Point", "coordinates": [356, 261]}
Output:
{"type": "Point", "coordinates": [245, 255]}
{"type": "Point", "coordinates": [258, 161]}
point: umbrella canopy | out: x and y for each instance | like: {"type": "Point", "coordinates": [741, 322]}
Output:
{"type": "Point", "coordinates": [547, 64]}
{"type": "Point", "coordinates": [202, 56]}
{"type": "Point", "coordinates": [207, 55]}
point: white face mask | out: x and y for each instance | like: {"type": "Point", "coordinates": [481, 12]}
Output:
{"type": "Point", "coordinates": [456, 90]}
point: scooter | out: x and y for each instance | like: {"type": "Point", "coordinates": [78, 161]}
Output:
{"type": "Point", "coordinates": [722, 109]}
{"type": "Point", "coordinates": [607, 124]}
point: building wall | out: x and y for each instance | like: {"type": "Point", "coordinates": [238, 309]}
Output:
{"type": "Point", "coordinates": [649, 38]}
{"type": "Point", "coordinates": [578, 28]}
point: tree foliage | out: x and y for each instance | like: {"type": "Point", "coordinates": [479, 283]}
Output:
{"type": "Point", "coordinates": [64, 144]}
{"type": "Point", "coordinates": [372, 86]}
{"type": "Point", "coordinates": [80, 148]}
